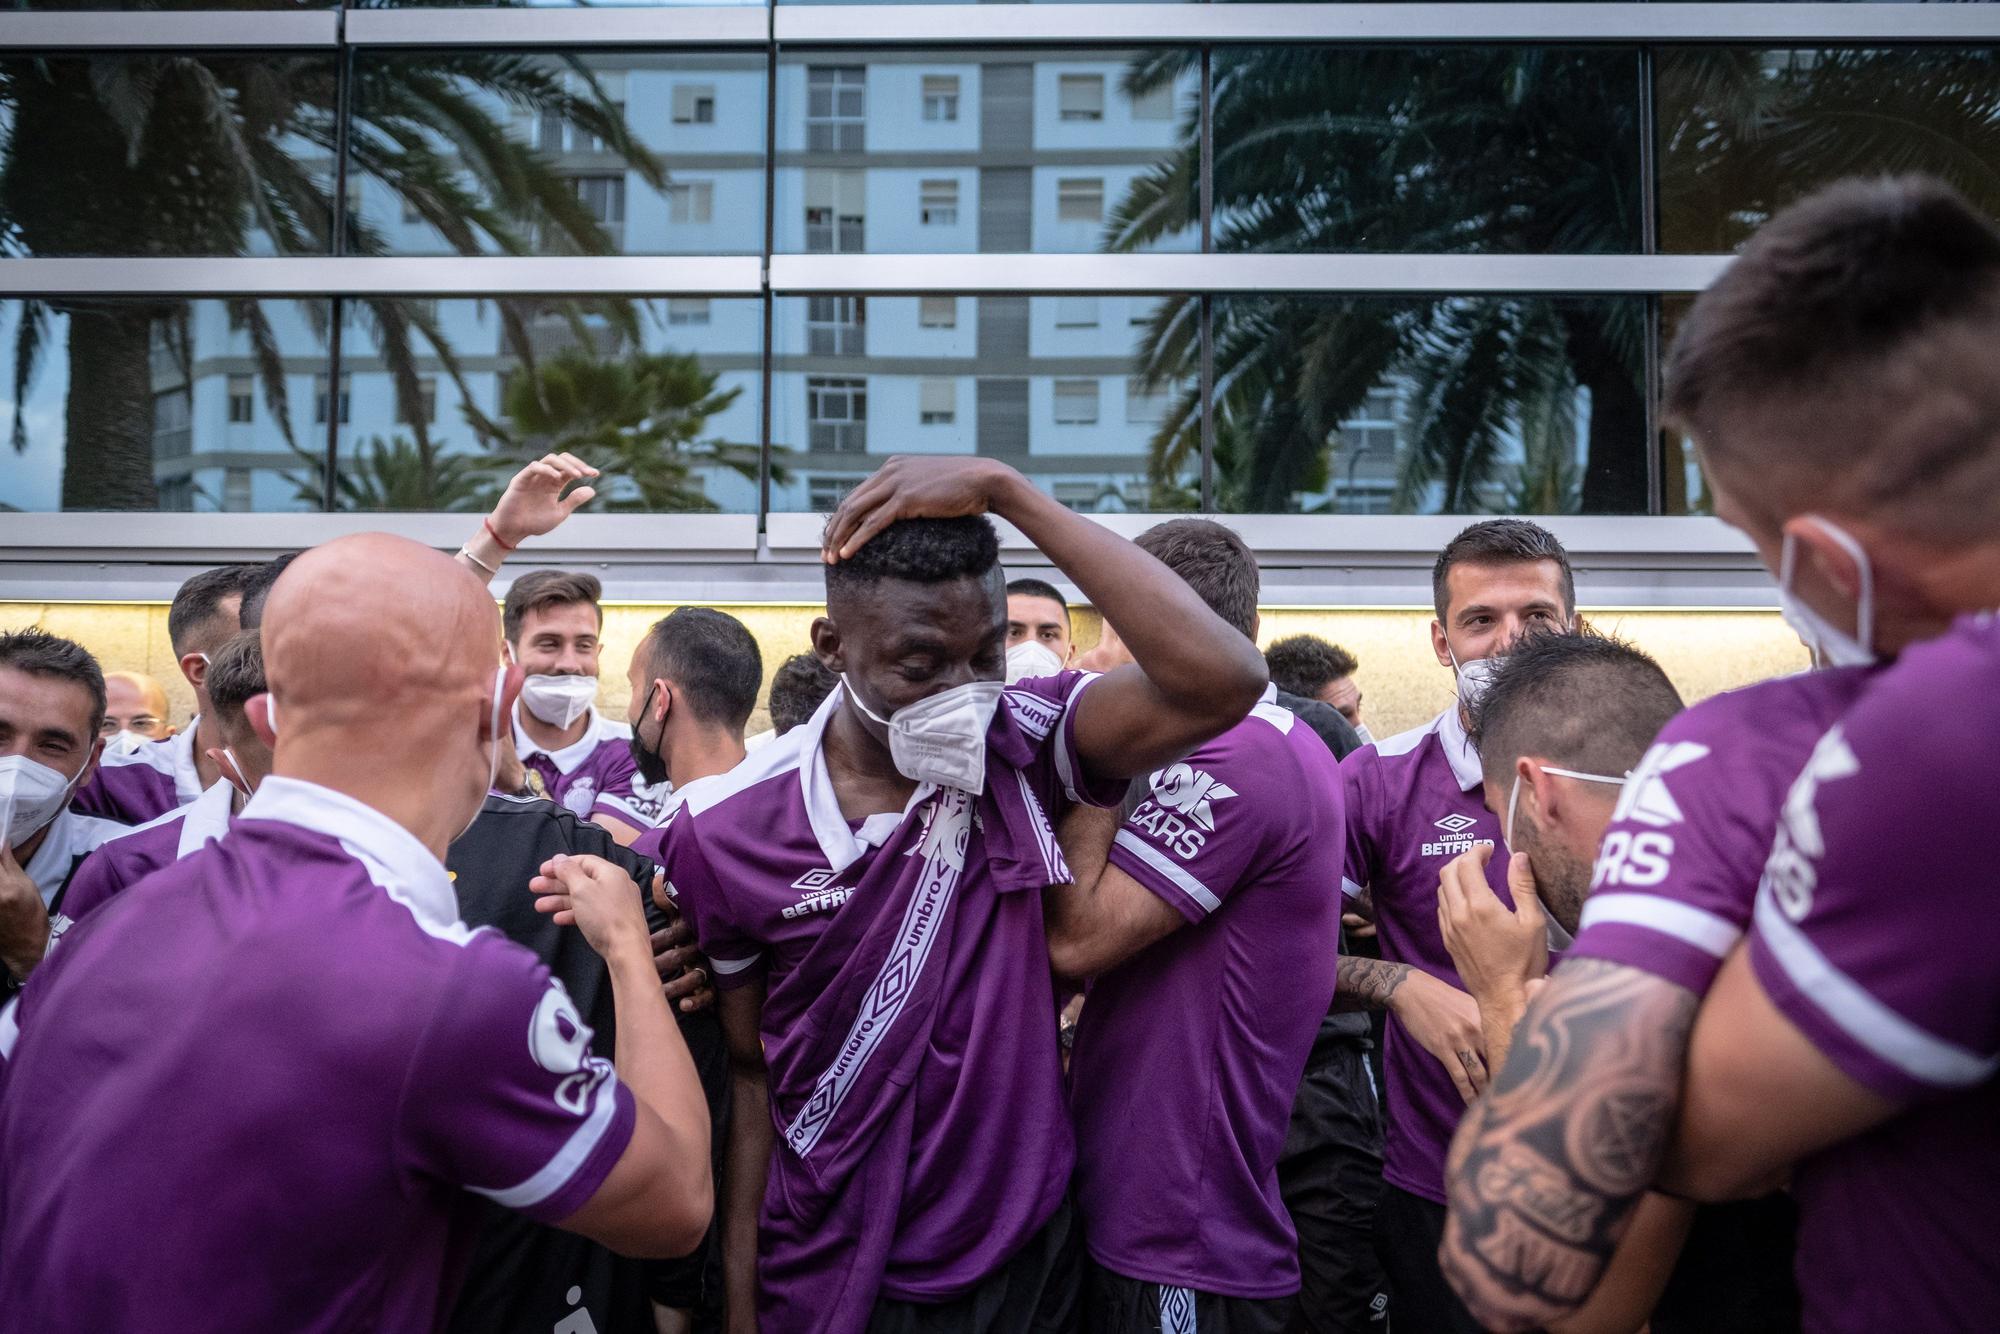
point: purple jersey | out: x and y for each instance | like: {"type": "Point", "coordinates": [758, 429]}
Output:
{"type": "Point", "coordinates": [940, 1022]}
{"type": "Point", "coordinates": [126, 860]}
{"type": "Point", "coordinates": [1413, 803]}
{"type": "Point", "coordinates": [290, 1039]}
{"type": "Point", "coordinates": [142, 784]}
{"type": "Point", "coordinates": [594, 775]}
{"type": "Point", "coordinates": [65, 849]}
{"type": "Point", "coordinates": [1189, 1055]}
{"type": "Point", "coordinates": [1876, 932]}
{"type": "Point", "coordinates": [1677, 871]}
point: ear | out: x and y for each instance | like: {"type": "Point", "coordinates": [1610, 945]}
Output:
{"type": "Point", "coordinates": [828, 646]}
{"type": "Point", "coordinates": [257, 711]}
{"type": "Point", "coordinates": [510, 691]}
{"type": "Point", "coordinates": [1825, 555]}
{"type": "Point", "coordinates": [1439, 645]}
{"type": "Point", "coordinates": [195, 668]}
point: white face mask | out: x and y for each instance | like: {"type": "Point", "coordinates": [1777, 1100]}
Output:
{"type": "Point", "coordinates": [558, 700]}
{"type": "Point", "coordinates": [1029, 658]}
{"type": "Point", "coordinates": [1473, 678]}
{"type": "Point", "coordinates": [1514, 793]}
{"type": "Point", "coordinates": [941, 738]}
{"type": "Point", "coordinates": [1830, 646]}
{"type": "Point", "coordinates": [124, 743]}
{"type": "Point", "coordinates": [31, 795]}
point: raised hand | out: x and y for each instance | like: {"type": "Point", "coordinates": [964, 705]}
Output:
{"type": "Point", "coordinates": [915, 487]}
{"type": "Point", "coordinates": [534, 504]}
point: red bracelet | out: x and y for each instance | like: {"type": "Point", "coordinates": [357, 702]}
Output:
{"type": "Point", "coordinates": [498, 540]}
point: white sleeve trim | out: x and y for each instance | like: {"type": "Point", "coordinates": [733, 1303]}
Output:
{"type": "Point", "coordinates": [1167, 867]}
{"type": "Point", "coordinates": [728, 967]}
{"type": "Point", "coordinates": [1060, 735]}
{"type": "Point", "coordinates": [1352, 890]}
{"type": "Point", "coordinates": [1704, 930]}
{"type": "Point", "coordinates": [10, 1029]}
{"type": "Point", "coordinates": [556, 1173]}
{"type": "Point", "coordinates": [1918, 1053]}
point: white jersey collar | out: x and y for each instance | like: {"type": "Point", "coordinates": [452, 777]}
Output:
{"type": "Point", "coordinates": [566, 759]}
{"type": "Point", "coordinates": [207, 817]}
{"type": "Point", "coordinates": [842, 844]}
{"type": "Point", "coordinates": [1458, 750]}
{"type": "Point", "coordinates": [70, 835]}
{"type": "Point", "coordinates": [391, 854]}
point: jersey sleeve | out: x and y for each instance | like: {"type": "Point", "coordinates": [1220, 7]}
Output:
{"type": "Point", "coordinates": [619, 792]}
{"type": "Point", "coordinates": [97, 880]}
{"type": "Point", "coordinates": [1207, 821]}
{"type": "Point", "coordinates": [735, 957]}
{"type": "Point", "coordinates": [1875, 928]}
{"type": "Point", "coordinates": [1677, 870]}
{"type": "Point", "coordinates": [1359, 782]}
{"type": "Point", "coordinates": [1035, 730]}
{"type": "Point", "coordinates": [503, 1096]}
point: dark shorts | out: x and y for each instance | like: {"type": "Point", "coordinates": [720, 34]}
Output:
{"type": "Point", "coordinates": [1331, 1179]}
{"type": "Point", "coordinates": [1039, 1291]}
{"type": "Point", "coordinates": [1408, 1229]}
{"type": "Point", "coordinates": [1114, 1304]}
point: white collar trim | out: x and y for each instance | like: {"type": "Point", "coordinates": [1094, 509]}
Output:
{"type": "Point", "coordinates": [70, 835]}
{"type": "Point", "coordinates": [391, 854]}
{"type": "Point", "coordinates": [207, 817]}
{"type": "Point", "coordinates": [842, 845]}
{"type": "Point", "coordinates": [1458, 750]}
{"type": "Point", "coordinates": [566, 759]}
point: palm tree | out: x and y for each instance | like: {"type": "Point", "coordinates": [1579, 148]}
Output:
{"type": "Point", "coordinates": [222, 155]}
{"type": "Point", "coordinates": [400, 474]}
{"type": "Point", "coordinates": [640, 416]}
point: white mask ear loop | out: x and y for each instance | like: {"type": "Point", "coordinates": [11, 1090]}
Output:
{"type": "Point", "coordinates": [1864, 607]}
{"type": "Point", "coordinates": [1514, 793]}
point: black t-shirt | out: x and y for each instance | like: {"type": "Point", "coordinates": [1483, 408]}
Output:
{"type": "Point", "coordinates": [521, 1274]}
{"type": "Point", "coordinates": [1339, 1028]}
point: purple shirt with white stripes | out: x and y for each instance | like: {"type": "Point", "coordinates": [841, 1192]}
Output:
{"type": "Point", "coordinates": [1189, 1055]}
{"type": "Point", "coordinates": [1876, 931]}
{"type": "Point", "coordinates": [1677, 871]}
{"type": "Point", "coordinates": [291, 1042]}
{"type": "Point", "coordinates": [594, 775]}
{"type": "Point", "coordinates": [140, 785]}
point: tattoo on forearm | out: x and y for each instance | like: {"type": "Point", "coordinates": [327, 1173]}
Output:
{"type": "Point", "coordinates": [1366, 984]}
{"type": "Point", "coordinates": [1547, 1168]}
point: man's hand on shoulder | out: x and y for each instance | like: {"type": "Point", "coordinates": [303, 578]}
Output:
{"type": "Point", "coordinates": [597, 898]}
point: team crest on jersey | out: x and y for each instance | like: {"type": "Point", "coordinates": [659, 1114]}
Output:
{"type": "Point", "coordinates": [1791, 876]}
{"type": "Point", "coordinates": [581, 796]}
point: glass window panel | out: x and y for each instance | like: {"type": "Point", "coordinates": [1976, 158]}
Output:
{"type": "Point", "coordinates": [663, 152]}
{"type": "Point", "coordinates": [938, 203]}
{"type": "Point", "coordinates": [175, 154]}
{"type": "Point", "coordinates": [142, 403]}
{"type": "Point", "coordinates": [662, 395]}
{"type": "Point", "coordinates": [1048, 152]}
{"type": "Point", "coordinates": [1744, 131]}
{"type": "Point", "coordinates": [1424, 149]}
{"type": "Point", "coordinates": [1076, 312]}
{"type": "Point", "coordinates": [1453, 405]}
{"type": "Point", "coordinates": [999, 380]}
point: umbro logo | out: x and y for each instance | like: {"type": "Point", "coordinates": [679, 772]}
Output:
{"type": "Point", "coordinates": [815, 879]}
{"type": "Point", "coordinates": [817, 893]}
{"type": "Point", "coordinates": [1455, 836]}
{"type": "Point", "coordinates": [1456, 823]}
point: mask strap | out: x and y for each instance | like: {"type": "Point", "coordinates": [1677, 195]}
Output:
{"type": "Point", "coordinates": [1864, 609]}
{"type": "Point", "coordinates": [848, 686]}
{"type": "Point", "coordinates": [1588, 778]}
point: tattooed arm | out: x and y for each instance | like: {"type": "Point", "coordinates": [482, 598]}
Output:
{"type": "Point", "coordinates": [1443, 1019]}
{"type": "Point", "coordinates": [1545, 1172]}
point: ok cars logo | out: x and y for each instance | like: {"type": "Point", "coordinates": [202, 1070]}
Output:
{"type": "Point", "coordinates": [1189, 791]}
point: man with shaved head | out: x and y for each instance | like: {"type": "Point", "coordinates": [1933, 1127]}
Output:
{"type": "Point", "coordinates": [293, 1039]}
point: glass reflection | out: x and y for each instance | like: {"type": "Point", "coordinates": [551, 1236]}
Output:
{"type": "Point", "coordinates": [661, 395]}
{"type": "Point", "coordinates": [135, 404]}
{"type": "Point", "coordinates": [1051, 385]}
{"type": "Point", "coordinates": [1451, 405]}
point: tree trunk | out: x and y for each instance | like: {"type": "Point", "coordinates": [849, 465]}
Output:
{"type": "Point", "coordinates": [108, 418]}
{"type": "Point", "coordinates": [1614, 467]}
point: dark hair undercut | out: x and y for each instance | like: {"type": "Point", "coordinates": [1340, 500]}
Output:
{"type": "Point", "coordinates": [544, 589]}
{"type": "Point", "coordinates": [257, 589]}
{"type": "Point", "coordinates": [1307, 664]}
{"type": "Point", "coordinates": [1500, 542]}
{"type": "Point", "coordinates": [1583, 701]}
{"type": "Point", "coordinates": [800, 686]}
{"type": "Point", "coordinates": [192, 620]}
{"type": "Point", "coordinates": [38, 653]}
{"type": "Point", "coordinates": [713, 660]}
{"type": "Point", "coordinates": [236, 674]}
{"type": "Point", "coordinates": [1214, 562]}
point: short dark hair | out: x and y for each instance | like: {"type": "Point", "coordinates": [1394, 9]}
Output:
{"type": "Point", "coordinates": [712, 658]}
{"type": "Point", "coordinates": [922, 551]}
{"type": "Point", "coordinates": [200, 600]}
{"type": "Point", "coordinates": [1039, 588]}
{"type": "Point", "coordinates": [1587, 701]}
{"type": "Point", "coordinates": [800, 686]}
{"type": "Point", "coordinates": [1211, 560]}
{"type": "Point", "coordinates": [544, 589]}
{"type": "Point", "coordinates": [1307, 664]}
{"type": "Point", "coordinates": [236, 673]}
{"type": "Point", "coordinates": [1858, 327]}
{"type": "Point", "coordinates": [1500, 542]}
{"type": "Point", "coordinates": [257, 589]}
{"type": "Point", "coordinates": [38, 653]}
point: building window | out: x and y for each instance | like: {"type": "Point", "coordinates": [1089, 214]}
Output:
{"type": "Point", "coordinates": [1076, 312]}
{"type": "Point", "coordinates": [1080, 96]}
{"type": "Point", "coordinates": [937, 203]}
{"type": "Point", "coordinates": [836, 326]}
{"type": "Point", "coordinates": [834, 212]}
{"type": "Point", "coordinates": [611, 84]}
{"type": "Point", "coordinates": [940, 97]}
{"type": "Point", "coordinates": [694, 104]}
{"type": "Point", "coordinates": [427, 401]}
{"type": "Point", "coordinates": [691, 201]}
{"type": "Point", "coordinates": [1144, 405]}
{"type": "Point", "coordinates": [604, 196]}
{"type": "Point", "coordinates": [687, 310]}
{"type": "Point", "coordinates": [836, 104]}
{"type": "Point", "coordinates": [1076, 402]}
{"type": "Point", "coordinates": [937, 402]}
{"type": "Point", "coordinates": [173, 425]}
{"type": "Point", "coordinates": [1080, 199]}
{"type": "Point", "coordinates": [236, 489]}
{"type": "Point", "coordinates": [320, 396]}
{"type": "Point", "coordinates": [937, 312]}
{"type": "Point", "coordinates": [837, 411]}
{"type": "Point", "coordinates": [825, 493]}
{"type": "Point", "coordinates": [1156, 103]}
{"type": "Point", "coordinates": [242, 399]}
{"type": "Point", "coordinates": [549, 131]}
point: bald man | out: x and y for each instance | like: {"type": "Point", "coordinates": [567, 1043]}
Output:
{"type": "Point", "coordinates": [291, 1042]}
{"type": "Point", "coordinates": [135, 709]}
